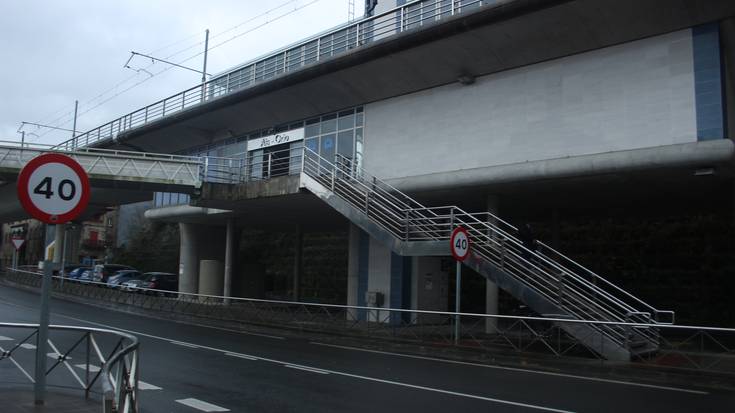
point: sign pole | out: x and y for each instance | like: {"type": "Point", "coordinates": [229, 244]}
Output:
{"type": "Point", "coordinates": [458, 289]}
{"type": "Point", "coordinates": [15, 260]}
{"type": "Point", "coordinates": [52, 188]}
{"type": "Point", "coordinates": [39, 387]}
{"type": "Point", "coordinates": [459, 244]}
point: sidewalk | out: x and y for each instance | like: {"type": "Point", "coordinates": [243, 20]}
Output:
{"type": "Point", "coordinates": [19, 399]}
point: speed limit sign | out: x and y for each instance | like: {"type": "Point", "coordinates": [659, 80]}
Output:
{"type": "Point", "coordinates": [460, 244]}
{"type": "Point", "coordinates": [53, 188]}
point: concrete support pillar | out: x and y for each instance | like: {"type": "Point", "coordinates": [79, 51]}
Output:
{"type": "Point", "coordinates": [491, 289]}
{"type": "Point", "coordinates": [229, 257]}
{"type": "Point", "coordinates": [211, 277]}
{"type": "Point", "coordinates": [298, 266]}
{"type": "Point", "coordinates": [188, 259]}
{"type": "Point", "coordinates": [60, 231]}
{"type": "Point", "coordinates": [353, 259]}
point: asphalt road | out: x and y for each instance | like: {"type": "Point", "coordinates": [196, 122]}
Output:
{"type": "Point", "coordinates": [188, 368]}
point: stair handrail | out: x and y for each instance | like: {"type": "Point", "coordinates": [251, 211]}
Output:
{"type": "Point", "coordinates": [615, 307]}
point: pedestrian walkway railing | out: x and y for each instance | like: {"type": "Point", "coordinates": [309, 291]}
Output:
{"type": "Point", "coordinates": [130, 165]}
{"type": "Point", "coordinates": [409, 17]}
{"type": "Point", "coordinates": [93, 360]}
{"type": "Point", "coordinates": [681, 348]}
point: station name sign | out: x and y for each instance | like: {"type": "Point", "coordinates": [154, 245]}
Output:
{"type": "Point", "coordinates": [277, 139]}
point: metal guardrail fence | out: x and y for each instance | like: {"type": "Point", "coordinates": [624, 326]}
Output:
{"type": "Point", "coordinates": [89, 356]}
{"type": "Point", "coordinates": [411, 16]}
{"type": "Point", "coordinates": [690, 348]}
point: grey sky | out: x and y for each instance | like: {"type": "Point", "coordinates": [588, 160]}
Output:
{"type": "Point", "coordinates": [54, 52]}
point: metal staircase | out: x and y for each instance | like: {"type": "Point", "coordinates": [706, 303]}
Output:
{"type": "Point", "coordinates": [547, 281]}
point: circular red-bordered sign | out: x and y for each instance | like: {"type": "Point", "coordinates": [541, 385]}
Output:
{"type": "Point", "coordinates": [53, 188]}
{"type": "Point", "coordinates": [460, 244]}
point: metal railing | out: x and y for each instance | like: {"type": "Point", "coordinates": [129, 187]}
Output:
{"type": "Point", "coordinates": [104, 358]}
{"type": "Point", "coordinates": [411, 16]}
{"type": "Point", "coordinates": [684, 348]}
{"type": "Point", "coordinates": [581, 293]}
{"type": "Point", "coordinates": [117, 164]}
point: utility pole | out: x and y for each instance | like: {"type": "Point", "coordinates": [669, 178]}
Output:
{"type": "Point", "coordinates": [204, 69]}
{"type": "Point", "coordinates": [74, 128]}
{"type": "Point", "coordinates": [206, 50]}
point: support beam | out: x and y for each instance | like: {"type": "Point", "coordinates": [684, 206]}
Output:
{"type": "Point", "coordinates": [188, 259]}
{"type": "Point", "coordinates": [491, 289]}
{"type": "Point", "coordinates": [298, 266]}
{"type": "Point", "coordinates": [59, 244]}
{"type": "Point", "coordinates": [353, 260]}
{"type": "Point", "coordinates": [229, 257]}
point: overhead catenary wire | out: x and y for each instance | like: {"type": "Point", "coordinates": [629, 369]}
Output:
{"type": "Point", "coordinates": [66, 117]}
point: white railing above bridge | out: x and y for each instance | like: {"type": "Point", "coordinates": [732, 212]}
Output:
{"type": "Point", "coordinates": [411, 16]}
{"type": "Point", "coordinates": [115, 165]}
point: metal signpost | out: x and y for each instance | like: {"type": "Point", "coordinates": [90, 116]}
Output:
{"type": "Point", "coordinates": [54, 189]}
{"type": "Point", "coordinates": [460, 247]}
{"type": "Point", "coordinates": [18, 242]}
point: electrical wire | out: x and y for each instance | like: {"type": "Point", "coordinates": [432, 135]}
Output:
{"type": "Point", "coordinates": [67, 117]}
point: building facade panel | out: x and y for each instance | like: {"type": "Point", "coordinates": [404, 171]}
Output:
{"type": "Point", "coordinates": [635, 95]}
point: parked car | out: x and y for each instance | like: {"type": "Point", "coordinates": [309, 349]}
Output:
{"type": "Point", "coordinates": [77, 272]}
{"type": "Point", "coordinates": [116, 279]}
{"type": "Point", "coordinates": [102, 272]}
{"type": "Point", "coordinates": [153, 280]}
{"type": "Point", "coordinates": [67, 269]}
{"type": "Point", "coordinates": [86, 276]}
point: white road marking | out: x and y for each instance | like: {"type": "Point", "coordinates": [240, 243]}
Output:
{"type": "Point", "coordinates": [3, 338]}
{"type": "Point", "coordinates": [183, 344]}
{"type": "Point", "coordinates": [232, 330]}
{"type": "Point", "coordinates": [309, 369]}
{"type": "Point", "coordinates": [28, 346]}
{"type": "Point", "coordinates": [371, 378]}
{"type": "Point", "coordinates": [56, 356]}
{"type": "Point", "coordinates": [471, 396]}
{"type": "Point", "coordinates": [92, 367]}
{"type": "Point", "coordinates": [200, 405]}
{"type": "Point", "coordinates": [147, 386]}
{"type": "Point", "coordinates": [488, 366]}
{"type": "Point", "coordinates": [242, 356]}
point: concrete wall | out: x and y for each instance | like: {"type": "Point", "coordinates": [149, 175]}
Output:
{"type": "Point", "coordinates": [634, 95]}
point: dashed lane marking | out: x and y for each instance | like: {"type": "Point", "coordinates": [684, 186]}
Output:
{"type": "Point", "coordinates": [202, 405]}
{"type": "Point", "coordinates": [242, 356]}
{"type": "Point", "coordinates": [147, 386]}
{"type": "Point", "coordinates": [180, 343]}
{"type": "Point", "coordinates": [92, 367]}
{"type": "Point", "coordinates": [309, 369]}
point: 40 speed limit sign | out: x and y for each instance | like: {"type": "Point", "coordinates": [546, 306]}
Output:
{"type": "Point", "coordinates": [53, 188]}
{"type": "Point", "coordinates": [460, 244]}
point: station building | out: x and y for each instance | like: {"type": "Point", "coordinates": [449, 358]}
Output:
{"type": "Point", "coordinates": [604, 124]}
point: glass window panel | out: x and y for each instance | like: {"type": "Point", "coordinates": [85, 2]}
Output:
{"type": "Point", "coordinates": [346, 122]}
{"type": "Point", "coordinates": [329, 126]}
{"type": "Point", "coordinates": [327, 148]}
{"type": "Point", "coordinates": [345, 143]}
{"type": "Point", "coordinates": [256, 164]}
{"type": "Point", "coordinates": [359, 119]}
{"type": "Point", "coordinates": [313, 144]}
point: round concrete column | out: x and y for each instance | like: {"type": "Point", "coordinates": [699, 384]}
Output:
{"type": "Point", "coordinates": [491, 289]}
{"type": "Point", "coordinates": [211, 277]}
{"type": "Point", "coordinates": [188, 259]}
{"type": "Point", "coordinates": [59, 232]}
